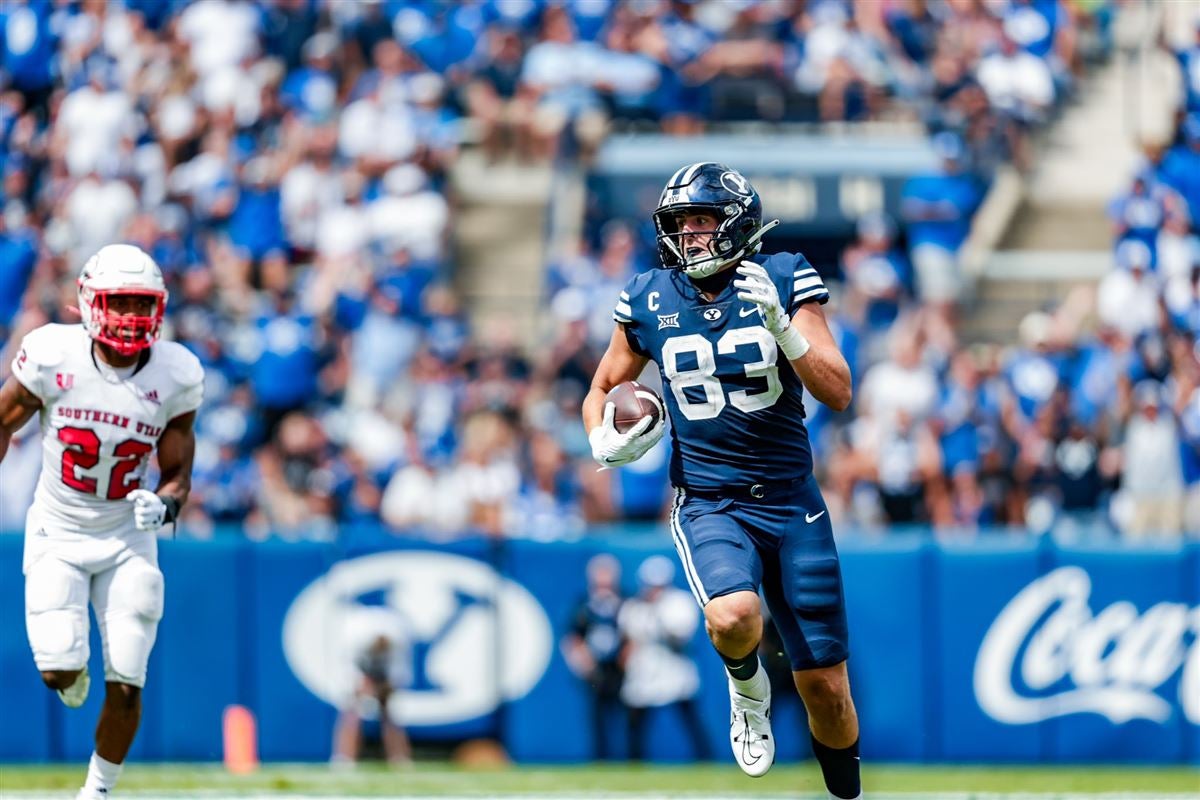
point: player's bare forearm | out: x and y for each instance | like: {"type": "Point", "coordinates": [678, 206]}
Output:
{"type": "Point", "coordinates": [619, 364]}
{"type": "Point", "coordinates": [17, 406]}
{"type": "Point", "coordinates": [823, 369]}
{"type": "Point", "coordinates": [593, 407]}
{"type": "Point", "coordinates": [826, 375]}
{"type": "Point", "coordinates": [176, 449]}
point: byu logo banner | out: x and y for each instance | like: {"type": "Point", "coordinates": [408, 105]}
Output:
{"type": "Point", "coordinates": [446, 611]}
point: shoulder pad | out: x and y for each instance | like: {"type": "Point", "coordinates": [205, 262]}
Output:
{"type": "Point", "coordinates": [47, 346]}
{"type": "Point", "coordinates": [784, 264]}
{"type": "Point", "coordinates": [183, 366]}
{"type": "Point", "coordinates": [639, 283]}
{"type": "Point", "coordinates": [631, 295]}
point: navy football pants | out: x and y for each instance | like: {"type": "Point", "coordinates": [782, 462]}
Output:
{"type": "Point", "coordinates": [782, 543]}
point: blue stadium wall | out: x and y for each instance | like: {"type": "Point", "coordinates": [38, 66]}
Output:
{"type": "Point", "coordinates": [1004, 651]}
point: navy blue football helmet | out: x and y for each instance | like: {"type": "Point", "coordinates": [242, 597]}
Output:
{"type": "Point", "coordinates": [723, 192]}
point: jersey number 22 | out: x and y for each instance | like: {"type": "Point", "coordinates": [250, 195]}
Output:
{"type": "Point", "coordinates": [81, 450]}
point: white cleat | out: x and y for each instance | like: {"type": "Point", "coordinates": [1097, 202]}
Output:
{"type": "Point", "coordinates": [750, 732]}
{"type": "Point", "coordinates": [92, 794]}
{"type": "Point", "coordinates": [76, 694]}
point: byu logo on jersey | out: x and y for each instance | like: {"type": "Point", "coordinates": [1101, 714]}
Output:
{"type": "Point", "coordinates": [668, 320]}
{"type": "Point", "coordinates": [447, 611]}
{"type": "Point", "coordinates": [712, 314]}
{"type": "Point", "coordinates": [735, 183]}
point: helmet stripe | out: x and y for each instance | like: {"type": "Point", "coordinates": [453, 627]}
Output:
{"type": "Point", "coordinates": [692, 170]}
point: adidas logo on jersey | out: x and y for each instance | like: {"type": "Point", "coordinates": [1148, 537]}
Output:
{"type": "Point", "coordinates": [668, 320]}
{"type": "Point", "coordinates": [152, 396]}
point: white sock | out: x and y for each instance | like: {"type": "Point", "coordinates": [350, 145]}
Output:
{"type": "Point", "coordinates": [102, 775]}
{"type": "Point", "coordinates": [756, 687]}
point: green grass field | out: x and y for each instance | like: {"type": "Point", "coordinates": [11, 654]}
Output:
{"type": "Point", "coordinates": [589, 781]}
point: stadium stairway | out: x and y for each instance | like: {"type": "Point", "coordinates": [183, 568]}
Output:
{"type": "Point", "coordinates": [1040, 236]}
{"type": "Point", "coordinates": [500, 233]}
{"type": "Point", "coordinates": [1019, 281]}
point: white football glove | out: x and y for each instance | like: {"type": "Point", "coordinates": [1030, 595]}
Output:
{"type": "Point", "coordinates": [149, 510]}
{"type": "Point", "coordinates": [611, 448]}
{"type": "Point", "coordinates": [755, 286]}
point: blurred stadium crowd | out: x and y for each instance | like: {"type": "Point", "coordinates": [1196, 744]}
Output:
{"type": "Point", "coordinates": [286, 163]}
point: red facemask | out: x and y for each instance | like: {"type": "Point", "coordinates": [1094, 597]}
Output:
{"type": "Point", "coordinates": [126, 333]}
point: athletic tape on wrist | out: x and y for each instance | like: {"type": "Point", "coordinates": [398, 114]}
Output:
{"type": "Point", "coordinates": [792, 343]}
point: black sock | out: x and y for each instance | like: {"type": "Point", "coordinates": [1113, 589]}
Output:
{"type": "Point", "coordinates": [741, 668]}
{"type": "Point", "coordinates": [840, 768]}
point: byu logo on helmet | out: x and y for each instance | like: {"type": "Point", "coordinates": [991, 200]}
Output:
{"type": "Point", "coordinates": [735, 183]}
{"type": "Point", "coordinates": [449, 608]}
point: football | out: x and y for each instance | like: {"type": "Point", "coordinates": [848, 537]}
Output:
{"type": "Point", "coordinates": [634, 401]}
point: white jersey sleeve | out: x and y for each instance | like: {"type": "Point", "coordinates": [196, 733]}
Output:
{"type": "Point", "coordinates": [188, 376]}
{"type": "Point", "coordinates": [34, 366]}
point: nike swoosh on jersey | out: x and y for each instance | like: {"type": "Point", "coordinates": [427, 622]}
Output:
{"type": "Point", "coordinates": [745, 312]}
{"type": "Point", "coordinates": [813, 517]}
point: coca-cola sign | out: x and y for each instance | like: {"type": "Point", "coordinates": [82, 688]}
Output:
{"type": "Point", "coordinates": [1049, 654]}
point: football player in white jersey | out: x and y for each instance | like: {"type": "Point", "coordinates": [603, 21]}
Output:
{"type": "Point", "coordinates": [109, 394]}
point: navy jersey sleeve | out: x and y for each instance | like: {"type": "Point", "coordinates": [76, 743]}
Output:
{"type": "Point", "coordinates": [807, 286]}
{"type": "Point", "coordinates": [797, 281]}
{"type": "Point", "coordinates": [625, 311]}
{"type": "Point", "coordinates": [622, 311]}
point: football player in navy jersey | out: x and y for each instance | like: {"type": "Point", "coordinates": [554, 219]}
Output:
{"type": "Point", "coordinates": [736, 337]}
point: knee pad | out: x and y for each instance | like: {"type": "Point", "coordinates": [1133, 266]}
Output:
{"type": "Point", "coordinates": [144, 592]}
{"type": "Point", "coordinates": [133, 609]}
{"type": "Point", "coordinates": [56, 599]}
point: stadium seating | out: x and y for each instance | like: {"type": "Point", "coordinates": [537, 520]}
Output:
{"type": "Point", "coordinates": [290, 166]}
